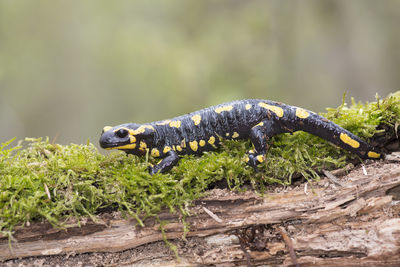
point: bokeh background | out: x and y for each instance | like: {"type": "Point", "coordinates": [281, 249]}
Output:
{"type": "Point", "coordinates": [68, 68]}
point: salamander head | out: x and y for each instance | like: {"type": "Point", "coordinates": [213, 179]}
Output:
{"type": "Point", "coordinates": [130, 137]}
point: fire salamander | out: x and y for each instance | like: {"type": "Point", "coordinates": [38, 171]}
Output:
{"type": "Point", "coordinates": [257, 120]}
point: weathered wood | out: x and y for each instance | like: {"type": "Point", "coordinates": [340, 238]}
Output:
{"type": "Point", "coordinates": [356, 223]}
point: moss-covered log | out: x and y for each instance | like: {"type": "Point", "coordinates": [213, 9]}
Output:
{"type": "Point", "coordinates": [354, 222]}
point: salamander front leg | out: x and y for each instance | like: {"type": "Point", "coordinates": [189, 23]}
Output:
{"type": "Point", "coordinates": [166, 163]}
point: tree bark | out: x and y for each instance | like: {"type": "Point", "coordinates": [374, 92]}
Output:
{"type": "Point", "coordinates": [352, 221]}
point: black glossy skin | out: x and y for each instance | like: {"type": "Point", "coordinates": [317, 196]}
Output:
{"type": "Point", "coordinates": [254, 119]}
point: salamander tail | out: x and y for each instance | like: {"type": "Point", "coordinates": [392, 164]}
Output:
{"type": "Point", "coordinates": [317, 125]}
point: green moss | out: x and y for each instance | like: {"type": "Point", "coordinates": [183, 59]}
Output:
{"type": "Point", "coordinates": [55, 182]}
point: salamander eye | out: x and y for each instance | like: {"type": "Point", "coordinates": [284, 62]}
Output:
{"type": "Point", "coordinates": [121, 133]}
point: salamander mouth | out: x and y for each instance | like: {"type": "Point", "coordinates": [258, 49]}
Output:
{"type": "Point", "coordinates": [106, 143]}
{"type": "Point", "coordinates": [109, 145]}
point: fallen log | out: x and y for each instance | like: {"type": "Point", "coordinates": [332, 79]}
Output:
{"type": "Point", "coordinates": [353, 221]}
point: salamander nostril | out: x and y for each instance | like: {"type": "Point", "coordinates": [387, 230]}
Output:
{"type": "Point", "coordinates": [121, 133]}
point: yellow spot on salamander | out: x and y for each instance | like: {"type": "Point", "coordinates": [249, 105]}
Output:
{"type": "Point", "coordinates": [202, 143]}
{"type": "Point", "coordinates": [183, 143]}
{"type": "Point", "coordinates": [155, 153]}
{"type": "Point", "coordinates": [128, 146]}
{"type": "Point", "coordinates": [106, 129]}
{"type": "Point", "coordinates": [193, 145]}
{"type": "Point", "coordinates": [373, 154]}
{"type": "Point", "coordinates": [248, 106]}
{"type": "Point", "coordinates": [179, 148]}
{"type": "Point", "coordinates": [211, 141]}
{"type": "Point", "coordinates": [132, 138]}
{"type": "Point", "coordinates": [166, 149]}
{"type": "Point", "coordinates": [235, 135]}
{"type": "Point", "coordinates": [141, 129]}
{"type": "Point", "coordinates": [260, 124]}
{"type": "Point", "coordinates": [301, 113]}
{"type": "Point", "coordinates": [260, 158]}
{"type": "Point", "coordinates": [196, 119]}
{"type": "Point", "coordinates": [163, 122]}
{"type": "Point", "coordinates": [175, 124]}
{"type": "Point", "coordinates": [224, 108]}
{"type": "Point", "coordinates": [227, 134]}
{"type": "Point", "coordinates": [348, 140]}
{"type": "Point", "coordinates": [277, 110]}
{"type": "Point", "coordinates": [142, 145]}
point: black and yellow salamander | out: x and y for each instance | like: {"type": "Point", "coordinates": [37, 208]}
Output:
{"type": "Point", "coordinates": [257, 120]}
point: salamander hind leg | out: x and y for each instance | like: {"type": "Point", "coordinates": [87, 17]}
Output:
{"type": "Point", "coordinates": [259, 136]}
{"type": "Point", "coordinates": [166, 163]}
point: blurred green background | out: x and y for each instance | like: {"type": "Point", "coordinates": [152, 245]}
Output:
{"type": "Point", "coordinates": [68, 68]}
